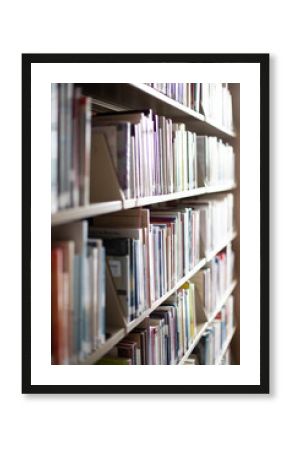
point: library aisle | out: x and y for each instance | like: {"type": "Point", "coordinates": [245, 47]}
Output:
{"type": "Point", "coordinates": [145, 224]}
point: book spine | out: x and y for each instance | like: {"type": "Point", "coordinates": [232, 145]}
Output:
{"type": "Point", "coordinates": [76, 148]}
{"type": "Point", "coordinates": [61, 147]}
{"type": "Point", "coordinates": [65, 319]}
{"type": "Point", "coordinates": [56, 300]}
{"type": "Point", "coordinates": [69, 144]}
{"type": "Point", "coordinates": [85, 149]}
{"type": "Point", "coordinates": [54, 147]}
{"type": "Point", "coordinates": [102, 297]}
{"type": "Point", "coordinates": [76, 306]}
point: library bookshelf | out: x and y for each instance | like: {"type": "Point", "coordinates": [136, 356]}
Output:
{"type": "Point", "coordinates": [136, 95]}
{"type": "Point", "coordinates": [122, 97]}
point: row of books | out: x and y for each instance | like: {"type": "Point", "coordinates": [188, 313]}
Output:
{"type": "Point", "coordinates": [188, 94]}
{"type": "Point", "coordinates": [214, 279]}
{"type": "Point", "coordinates": [147, 251]}
{"type": "Point", "coordinates": [211, 344]}
{"type": "Point", "coordinates": [216, 214]}
{"type": "Point", "coordinates": [149, 154]}
{"type": "Point", "coordinates": [150, 250]}
{"type": "Point", "coordinates": [70, 146]}
{"type": "Point", "coordinates": [77, 294]}
{"type": "Point", "coordinates": [214, 100]}
{"type": "Point", "coordinates": [147, 261]}
{"type": "Point", "coordinates": [175, 243]}
{"type": "Point", "coordinates": [217, 104]}
{"type": "Point", "coordinates": [216, 162]}
{"type": "Point", "coordinates": [162, 338]}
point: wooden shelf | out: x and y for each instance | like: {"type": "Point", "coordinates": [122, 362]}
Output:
{"type": "Point", "coordinates": [184, 194]}
{"type": "Point", "coordinates": [219, 128]}
{"type": "Point", "coordinates": [97, 209]}
{"type": "Point", "coordinates": [202, 327]}
{"type": "Point", "coordinates": [139, 96]}
{"type": "Point", "coordinates": [225, 346]}
{"type": "Point", "coordinates": [182, 109]}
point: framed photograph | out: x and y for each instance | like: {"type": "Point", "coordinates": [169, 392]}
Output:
{"type": "Point", "coordinates": [145, 223]}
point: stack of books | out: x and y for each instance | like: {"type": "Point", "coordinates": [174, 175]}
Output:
{"type": "Point", "coordinates": [77, 293]}
{"type": "Point", "coordinates": [70, 147]}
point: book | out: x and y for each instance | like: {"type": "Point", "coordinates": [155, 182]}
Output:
{"type": "Point", "coordinates": [120, 259]}
{"type": "Point", "coordinates": [54, 147]}
{"type": "Point", "coordinates": [78, 293]}
{"type": "Point", "coordinates": [70, 146]}
{"type": "Point", "coordinates": [56, 306]}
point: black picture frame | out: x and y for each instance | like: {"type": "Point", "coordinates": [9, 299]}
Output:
{"type": "Point", "coordinates": [27, 61]}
